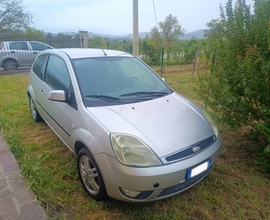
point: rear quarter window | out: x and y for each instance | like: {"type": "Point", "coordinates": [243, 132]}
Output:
{"type": "Point", "coordinates": [39, 46]}
{"type": "Point", "coordinates": [39, 65]}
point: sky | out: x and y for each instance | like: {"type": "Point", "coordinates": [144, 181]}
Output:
{"type": "Point", "coordinates": [115, 17]}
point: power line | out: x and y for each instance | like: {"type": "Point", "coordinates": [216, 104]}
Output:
{"type": "Point", "coordinates": [155, 13]}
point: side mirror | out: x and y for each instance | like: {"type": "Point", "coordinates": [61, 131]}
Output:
{"type": "Point", "coordinates": [57, 95]}
{"type": "Point", "coordinates": [164, 80]}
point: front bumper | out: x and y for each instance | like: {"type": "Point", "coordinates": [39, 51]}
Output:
{"type": "Point", "coordinates": [155, 183]}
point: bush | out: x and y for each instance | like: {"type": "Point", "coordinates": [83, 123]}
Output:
{"type": "Point", "coordinates": [239, 86]}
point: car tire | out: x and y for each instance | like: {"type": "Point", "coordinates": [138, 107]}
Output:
{"type": "Point", "coordinates": [90, 175]}
{"type": "Point", "coordinates": [10, 65]}
{"type": "Point", "coordinates": [35, 115]}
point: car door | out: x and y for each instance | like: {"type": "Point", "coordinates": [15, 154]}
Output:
{"type": "Point", "coordinates": [20, 51]}
{"type": "Point", "coordinates": [57, 114]}
{"type": "Point", "coordinates": [36, 81]}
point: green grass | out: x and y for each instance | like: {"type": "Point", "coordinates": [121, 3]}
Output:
{"type": "Point", "coordinates": [236, 188]}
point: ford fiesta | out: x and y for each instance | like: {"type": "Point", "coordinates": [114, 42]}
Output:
{"type": "Point", "coordinates": [134, 138]}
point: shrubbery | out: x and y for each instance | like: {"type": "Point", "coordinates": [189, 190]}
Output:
{"type": "Point", "coordinates": [239, 85]}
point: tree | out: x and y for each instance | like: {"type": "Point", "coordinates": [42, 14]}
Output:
{"type": "Point", "coordinates": [166, 34]}
{"type": "Point", "coordinates": [170, 29]}
{"type": "Point", "coordinates": [188, 49]}
{"type": "Point", "coordinates": [151, 53]}
{"type": "Point", "coordinates": [27, 34]}
{"type": "Point", "coordinates": [155, 38]}
{"type": "Point", "coordinates": [13, 16]}
{"type": "Point", "coordinates": [151, 47]}
{"type": "Point", "coordinates": [97, 42]}
{"type": "Point", "coordinates": [214, 27]}
{"type": "Point", "coordinates": [155, 35]}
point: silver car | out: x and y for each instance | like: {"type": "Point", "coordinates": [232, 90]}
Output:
{"type": "Point", "coordinates": [135, 139]}
{"type": "Point", "coordinates": [14, 54]}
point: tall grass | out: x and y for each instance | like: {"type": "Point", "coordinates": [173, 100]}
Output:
{"type": "Point", "coordinates": [234, 189]}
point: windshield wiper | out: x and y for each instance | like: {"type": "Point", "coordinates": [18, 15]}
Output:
{"type": "Point", "coordinates": [106, 97]}
{"type": "Point", "coordinates": [144, 93]}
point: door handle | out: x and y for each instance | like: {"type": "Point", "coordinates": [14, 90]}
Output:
{"type": "Point", "coordinates": [41, 91]}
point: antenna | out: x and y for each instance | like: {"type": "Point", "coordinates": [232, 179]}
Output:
{"type": "Point", "coordinates": [104, 52]}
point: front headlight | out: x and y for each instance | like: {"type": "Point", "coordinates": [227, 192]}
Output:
{"type": "Point", "coordinates": [212, 123]}
{"type": "Point", "coordinates": [131, 151]}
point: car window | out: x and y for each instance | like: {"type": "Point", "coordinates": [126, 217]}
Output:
{"type": "Point", "coordinates": [39, 65]}
{"type": "Point", "coordinates": [39, 46]}
{"type": "Point", "coordinates": [132, 69]}
{"type": "Point", "coordinates": [123, 79]}
{"type": "Point", "coordinates": [57, 75]}
{"type": "Point", "coordinates": [18, 46]}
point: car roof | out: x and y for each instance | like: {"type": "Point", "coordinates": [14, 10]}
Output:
{"type": "Point", "coordinates": [76, 53]}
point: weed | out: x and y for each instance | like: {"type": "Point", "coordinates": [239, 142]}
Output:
{"type": "Point", "coordinates": [222, 154]}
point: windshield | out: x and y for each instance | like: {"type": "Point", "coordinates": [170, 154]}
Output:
{"type": "Point", "coordinates": [113, 80]}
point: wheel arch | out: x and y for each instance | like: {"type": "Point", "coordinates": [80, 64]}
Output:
{"type": "Point", "coordinates": [28, 94]}
{"type": "Point", "coordinates": [82, 138]}
{"type": "Point", "coordinates": [30, 91]}
{"type": "Point", "coordinates": [78, 146]}
{"type": "Point", "coordinates": [10, 58]}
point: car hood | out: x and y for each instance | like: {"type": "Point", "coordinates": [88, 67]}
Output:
{"type": "Point", "coordinates": [167, 124]}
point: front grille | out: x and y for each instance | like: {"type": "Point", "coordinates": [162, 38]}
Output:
{"type": "Point", "coordinates": [182, 186]}
{"type": "Point", "coordinates": [189, 150]}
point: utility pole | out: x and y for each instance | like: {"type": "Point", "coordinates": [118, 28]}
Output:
{"type": "Point", "coordinates": [135, 29]}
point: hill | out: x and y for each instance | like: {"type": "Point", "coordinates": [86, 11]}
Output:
{"type": "Point", "coordinates": [197, 34]}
